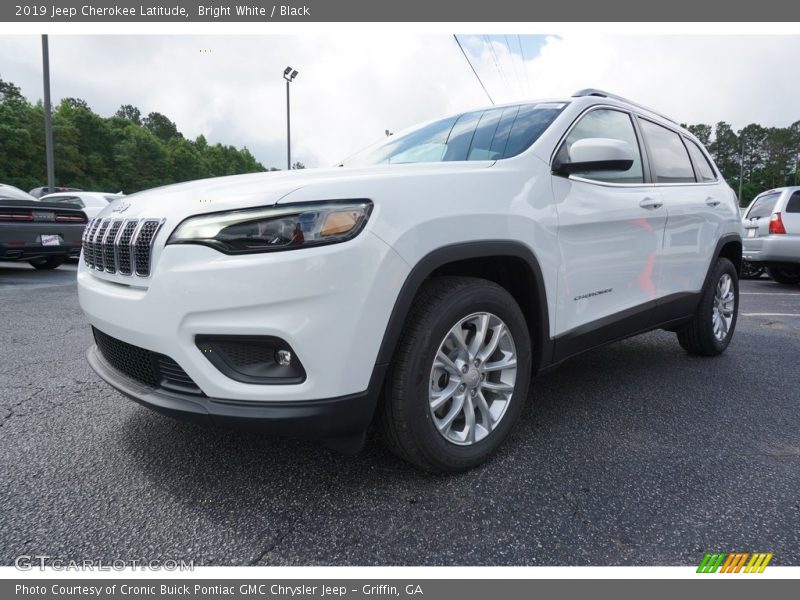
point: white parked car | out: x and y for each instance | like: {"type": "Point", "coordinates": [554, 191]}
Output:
{"type": "Point", "coordinates": [422, 283]}
{"type": "Point", "coordinates": [91, 202]}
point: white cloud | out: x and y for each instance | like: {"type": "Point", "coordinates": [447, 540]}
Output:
{"type": "Point", "coordinates": [351, 88]}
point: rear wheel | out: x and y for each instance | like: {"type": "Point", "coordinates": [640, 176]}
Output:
{"type": "Point", "coordinates": [51, 262]}
{"type": "Point", "coordinates": [785, 275]}
{"type": "Point", "coordinates": [460, 376]}
{"type": "Point", "coordinates": [711, 329]}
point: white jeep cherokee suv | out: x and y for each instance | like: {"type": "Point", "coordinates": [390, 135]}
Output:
{"type": "Point", "coordinates": [422, 283]}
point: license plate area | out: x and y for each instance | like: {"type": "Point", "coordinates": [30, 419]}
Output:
{"type": "Point", "coordinates": [50, 239]}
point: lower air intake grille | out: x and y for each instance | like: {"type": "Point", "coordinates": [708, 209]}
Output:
{"type": "Point", "coordinates": [147, 367]}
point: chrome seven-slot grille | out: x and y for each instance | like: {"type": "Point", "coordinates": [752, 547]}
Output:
{"type": "Point", "coordinates": [121, 246]}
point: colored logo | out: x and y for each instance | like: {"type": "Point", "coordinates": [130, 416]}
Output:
{"type": "Point", "coordinates": [734, 562]}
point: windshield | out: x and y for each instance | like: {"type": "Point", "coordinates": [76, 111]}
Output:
{"type": "Point", "coordinates": [489, 134]}
{"type": "Point", "coordinates": [763, 206]}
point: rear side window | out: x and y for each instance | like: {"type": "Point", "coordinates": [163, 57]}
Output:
{"type": "Point", "coordinates": [763, 206]}
{"type": "Point", "coordinates": [701, 162]}
{"type": "Point", "coordinates": [669, 156]}
{"type": "Point", "coordinates": [793, 205]}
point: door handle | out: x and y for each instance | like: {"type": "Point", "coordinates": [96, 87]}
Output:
{"type": "Point", "coordinates": [651, 203]}
{"type": "Point", "coordinates": [711, 201]}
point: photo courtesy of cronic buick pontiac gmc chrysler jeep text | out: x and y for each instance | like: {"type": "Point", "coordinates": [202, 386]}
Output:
{"type": "Point", "coordinates": [421, 284]}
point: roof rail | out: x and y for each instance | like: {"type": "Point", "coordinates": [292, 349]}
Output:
{"type": "Point", "coordinates": [601, 94]}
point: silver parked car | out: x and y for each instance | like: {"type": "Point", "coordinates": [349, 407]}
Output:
{"type": "Point", "coordinates": [749, 270]}
{"type": "Point", "coordinates": [772, 233]}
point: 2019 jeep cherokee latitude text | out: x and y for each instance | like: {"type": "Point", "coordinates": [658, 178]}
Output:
{"type": "Point", "coordinates": [419, 285]}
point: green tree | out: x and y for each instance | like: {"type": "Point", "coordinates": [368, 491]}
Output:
{"type": "Point", "coordinates": [725, 150]}
{"type": "Point", "coordinates": [121, 152]}
{"type": "Point", "coordinates": [702, 133]}
{"type": "Point", "coordinates": [161, 127]}
{"type": "Point", "coordinates": [140, 160]}
{"type": "Point", "coordinates": [185, 160]}
{"type": "Point", "coordinates": [130, 113]}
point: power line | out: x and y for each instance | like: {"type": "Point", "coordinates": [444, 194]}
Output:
{"type": "Point", "coordinates": [490, 44]}
{"type": "Point", "coordinates": [469, 62]}
{"type": "Point", "coordinates": [524, 66]}
{"type": "Point", "coordinates": [514, 66]}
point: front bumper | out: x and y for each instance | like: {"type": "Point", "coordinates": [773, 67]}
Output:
{"type": "Point", "coordinates": [319, 419]}
{"type": "Point", "coordinates": [331, 304]}
{"type": "Point", "coordinates": [772, 249]}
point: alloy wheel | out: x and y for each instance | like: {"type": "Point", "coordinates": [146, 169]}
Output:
{"type": "Point", "coordinates": [723, 307]}
{"type": "Point", "coordinates": [472, 378]}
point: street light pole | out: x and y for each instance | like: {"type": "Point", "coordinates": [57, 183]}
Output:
{"type": "Point", "coordinates": [288, 131]}
{"type": "Point", "coordinates": [288, 74]}
{"type": "Point", "coordinates": [48, 123]}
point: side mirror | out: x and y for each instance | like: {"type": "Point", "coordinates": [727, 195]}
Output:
{"type": "Point", "coordinates": [596, 154]}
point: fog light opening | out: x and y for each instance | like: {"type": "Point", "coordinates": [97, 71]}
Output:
{"type": "Point", "coordinates": [283, 358]}
{"type": "Point", "coordinates": [259, 359]}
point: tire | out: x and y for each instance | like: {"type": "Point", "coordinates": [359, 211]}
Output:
{"type": "Point", "coordinates": [785, 275]}
{"type": "Point", "coordinates": [702, 335]}
{"type": "Point", "coordinates": [406, 419]}
{"type": "Point", "coordinates": [750, 270]}
{"type": "Point", "coordinates": [51, 262]}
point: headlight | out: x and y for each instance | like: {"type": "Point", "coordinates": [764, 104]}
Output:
{"type": "Point", "coordinates": [287, 227]}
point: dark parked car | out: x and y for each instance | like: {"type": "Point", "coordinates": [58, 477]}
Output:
{"type": "Point", "coordinates": [41, 233]}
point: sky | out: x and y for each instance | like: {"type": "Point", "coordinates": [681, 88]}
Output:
{"type": "Point", "coordinates": [350, 89]}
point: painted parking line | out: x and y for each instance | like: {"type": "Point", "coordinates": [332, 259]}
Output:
{"type": "Point", "coordinates": [769, 293]}
{"type": "Point", "coordinates": [770, 314]}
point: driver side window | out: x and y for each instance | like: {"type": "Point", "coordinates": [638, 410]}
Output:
{"type": "Point", "coordinates": [611, 124]}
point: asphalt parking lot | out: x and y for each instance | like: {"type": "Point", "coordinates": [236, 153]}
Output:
{"type": "Point", "coordinates": [633, 454]}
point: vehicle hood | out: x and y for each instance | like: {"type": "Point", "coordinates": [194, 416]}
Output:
{"type": "Point", "coordinates": [267, 189]}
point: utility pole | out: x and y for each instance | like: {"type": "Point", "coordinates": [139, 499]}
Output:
{"type": "Point", "coordinates": [48, 123]}
{"type": "Point", "coordinates": [288, 74]}
{"type": "Point", "coordinates": [741, 171]}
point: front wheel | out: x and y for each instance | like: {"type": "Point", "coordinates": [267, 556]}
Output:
{"type": "Point", "coordinates": [460, 376]}
{"type": "Point", "coordinates": [711, 329]}
{"type": "Point", "coordinates": [785, 275]}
